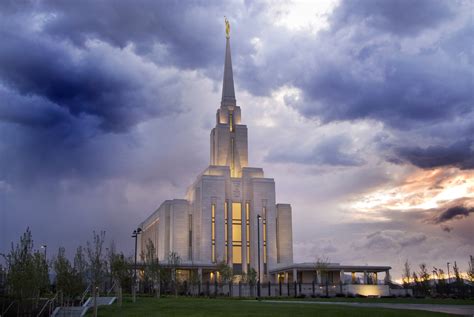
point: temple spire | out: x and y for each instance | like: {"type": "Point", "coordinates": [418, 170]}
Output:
{"type": "Point", "coordinates": [228, 92]}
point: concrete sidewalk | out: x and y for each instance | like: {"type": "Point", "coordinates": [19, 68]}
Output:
{"type": "Point", "coordinates": [465, 310]}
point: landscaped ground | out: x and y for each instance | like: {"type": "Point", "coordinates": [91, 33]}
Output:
{"type": "Point", "coordinates": [234, 307]}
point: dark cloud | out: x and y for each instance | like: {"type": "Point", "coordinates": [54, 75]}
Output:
{"type": "Point", "coordinates": [401, 17]}
{"type": "Point", "coordinates": [455, 212]}
{"type": "Point", "coordinates": [92, 84]}
{"type": "Point", "coordinates": [390, 240]}
{"type": "Point", "coordinates": [459, 154]}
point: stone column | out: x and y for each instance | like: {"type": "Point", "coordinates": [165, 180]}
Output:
{"type": "Point", "coordinates": [295, 275]}
{"type": "Point", "coordinates": [318, 277]}
{"type": "Point", "coordinates": [353, 277]}
{"type": "Point", "coordinates": [365, 277]}
{"type": "Point", "coordinates": [376, 282]}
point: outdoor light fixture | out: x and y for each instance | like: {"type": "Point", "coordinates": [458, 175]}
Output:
{"type": "Point", "coordinates": [135, 234]}
{"type": "Point", "coordinates": [258, 252]}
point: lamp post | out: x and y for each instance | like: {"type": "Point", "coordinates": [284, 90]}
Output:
{"type": "Point", "coordinates": [45, 247]}
{"type": "Point", "coordinates": [258, 252]}
{"type": "Point", "coordinates": [134, 287]}
{"type": "Point", "coordinates": [449, 278]}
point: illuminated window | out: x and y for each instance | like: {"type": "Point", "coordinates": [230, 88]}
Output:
{"type": "Point", "coordinates": [247, 224]}
{"type": "Point", "coordinates": [231, 121]}
{"type": "Point", "coordinates": [213, 233]}
{"type": "Point", "coordinates": [236, 233]}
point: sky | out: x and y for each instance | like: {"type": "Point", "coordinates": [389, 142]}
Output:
{"type": "Point", "coordinates": [362, 112]}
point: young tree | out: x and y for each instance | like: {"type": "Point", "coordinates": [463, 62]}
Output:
{"type": "Point", "coordinates": [152, 266]}
{"type": "Point", "coordinates": [424, 277]}
{"type": "Point", "coordinates": [174, 260]}
{"type": "Point", "coordinates": [321, 267]}
{"type": "Point", "coordinates": [225, 271]}
{"type": "Point", "coordinates": [406, 274]}
{"type": "Point", "coordinates": [96, 264]}
{"type": "Point", "coordinates": [470, 271]}
{"type": "Point", "coordinates": [27, 271]}
{"type": "Point", "coordinates": [80, 267]}
{"type": "Point", "coordinates": [121, 270]}
{"type": "Point", "coordinates": [68, 281]}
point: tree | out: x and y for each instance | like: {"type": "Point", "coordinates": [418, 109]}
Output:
{"type": "Point", "coordinates": [97, 264]}
{"type": "Point", "coordinates": [321, 268]}
{"type": "Point", "coordinates": [80, 266]}
{"type": "Point", "coordinates": [406, 274]}
{"type": "Point", "coordinates": [251, 276]}
{"type": "Point", "coordinates": [424, 277]}
{"type": "Point", "coordinates": [470, 272]}
{"type": "Point", "coordinates": [152, 266]}
{"type": "Point", "coordinates": [68, 280]}
{"type": "Point", "coordinates": [174, 260]}
{"type": "Point", "coordinates": [225, 271]}
{"type": "Point", "coordinates": [27, 271]}
{"type": "Point", "coordinates": [121, 270]}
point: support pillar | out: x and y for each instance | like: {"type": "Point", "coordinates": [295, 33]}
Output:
{"type": "Point", "coordinates": [295, 275]}
{"type": "Point", "coordinates": [353, 277]}
{"type": "Point", "coordinates": [365, 277]}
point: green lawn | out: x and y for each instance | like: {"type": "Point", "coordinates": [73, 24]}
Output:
{"type": "Point", "coordinates": [231, 307]}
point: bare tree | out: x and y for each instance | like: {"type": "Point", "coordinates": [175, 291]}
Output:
{"type": "Point", "coordinates": [152, 266]}
{"type": "Point", "coordinates": [97, 264]}
{"type": "Point", "coordinates": [470, 271]}
{"type": "Point", "coordinates": [406, 274]}
{"type": "Point", "coordinates": [424, 277]}
{"type": "Point", "coordinates": [174, 260]}
{"type": "Point", "coordinates": [321, 268]}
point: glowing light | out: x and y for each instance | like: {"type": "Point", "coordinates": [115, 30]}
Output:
{"type": "Point", "coordinates": [422, 190]}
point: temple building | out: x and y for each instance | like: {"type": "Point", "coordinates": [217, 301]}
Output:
{"type": "Point", "coordinates": [230, 213]}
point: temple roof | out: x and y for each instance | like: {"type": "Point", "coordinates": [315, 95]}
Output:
{"type": "Point", "coordinates": [228, 92]}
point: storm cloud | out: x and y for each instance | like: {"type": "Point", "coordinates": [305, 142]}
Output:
{"type": "Point", "coordinates": [455, 212]}
{"type": "Point", "coordinates": [105, 110]}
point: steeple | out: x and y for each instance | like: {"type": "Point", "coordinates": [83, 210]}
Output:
{"type": "Point", "coordinates": [228, 92]}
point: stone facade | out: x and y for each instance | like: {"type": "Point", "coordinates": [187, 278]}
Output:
{"type": "Point", "coordinates": [230, 208]}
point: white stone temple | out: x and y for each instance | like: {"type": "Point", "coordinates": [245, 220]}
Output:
{"type": "Point", "coordinates": [230, 212]}
{"type": "Point", "coordinates": [224, 206]}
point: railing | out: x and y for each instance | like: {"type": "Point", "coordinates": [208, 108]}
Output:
{"type": "Point", "coordinates": [84, 294]}
{"type": "Point", "coordinates": [9, 306]}
{"type": "Point", "coordinates": [114, 284]}
{"type": "Point", "coordinates": [49, 303]}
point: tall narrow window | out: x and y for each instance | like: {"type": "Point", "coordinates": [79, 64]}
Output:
{"type": "Point", "coordinates": [236, 233]}
{"type": "Point", "coordinates": [226, 211]}
{"type": "Point", "coordinates": [231, 122]}
{"type": "Point", "coordinates": [213, 233]}
{"type": "Point", "coordinates": [232, 158]}
{"type": "Point", "coordinates": [247, 226]}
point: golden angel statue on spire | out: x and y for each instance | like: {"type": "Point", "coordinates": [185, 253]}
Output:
{"type": "Point", "coordinates": [227, 27]}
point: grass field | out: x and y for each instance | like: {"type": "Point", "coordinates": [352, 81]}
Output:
{"type": "Point", "coordinates": [193, 307]}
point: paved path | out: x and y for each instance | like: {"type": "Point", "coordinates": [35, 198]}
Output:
{"type": "Point", "coordinates": [466, 310]}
